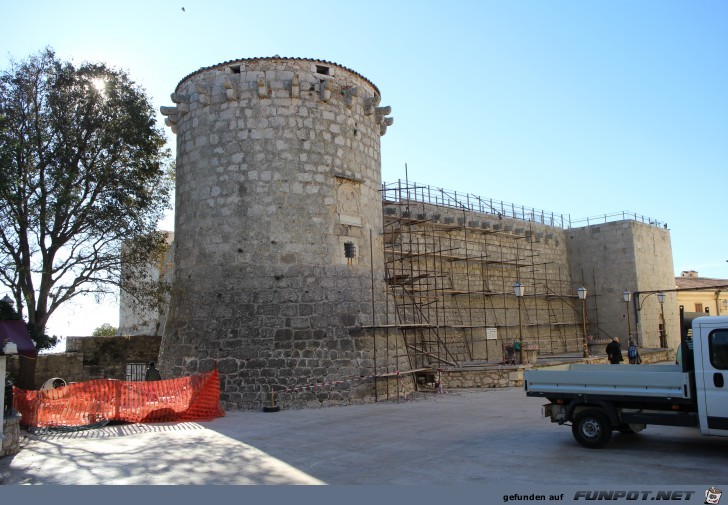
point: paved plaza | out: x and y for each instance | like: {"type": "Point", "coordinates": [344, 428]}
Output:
{"type": "Point", "coordinates": [491, 436]}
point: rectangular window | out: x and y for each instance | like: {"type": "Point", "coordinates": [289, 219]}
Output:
{"type": "Point", "coordinates": [349, 250]}
{"type": "Point", "coordinates": [698, 307]}
{"type": "Point", "coordinates": [135, 371]}
{"type": "Point", "coordinates": [718, 344]}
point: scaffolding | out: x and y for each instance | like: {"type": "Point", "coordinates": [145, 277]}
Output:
{"type": "Point", "coordinates": [450, 265]}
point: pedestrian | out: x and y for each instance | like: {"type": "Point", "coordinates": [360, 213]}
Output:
{"type": "Point", "coordinates": [633, 353]}
{"type": "Point", "coordinates": [152, 373]}
{"type": "Point", "coordinates": [614, 351]}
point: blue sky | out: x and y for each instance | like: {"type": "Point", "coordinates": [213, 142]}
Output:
{"type": "Point", "coordinates": [578, 107]}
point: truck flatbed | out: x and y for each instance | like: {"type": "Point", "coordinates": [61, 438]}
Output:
{"type": "Point", "coordinates": [659, 383]}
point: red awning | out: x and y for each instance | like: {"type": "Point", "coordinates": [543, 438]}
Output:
{"type": "Point", "coordinates": [17, 332]}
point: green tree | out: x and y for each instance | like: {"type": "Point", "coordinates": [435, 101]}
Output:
{"type": "Point", "coordinates": [83, 169]}
{"type": "Point", "coordinates": [105, 330]}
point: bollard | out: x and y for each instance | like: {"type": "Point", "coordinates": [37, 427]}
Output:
{"type": "Point", "coordinates": [272, 407]}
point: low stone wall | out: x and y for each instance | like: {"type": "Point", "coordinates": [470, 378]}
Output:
{"type": "Point", "coordinates": [106, 357]}
{"type": "Point", "coordinates": [11, 430]}
{"type": "Point", "coordinates": [483, 377]}
{"type": "Point", "coordinates": [88, 358]}
{"type": "Point", "coordinates": [68, 367]}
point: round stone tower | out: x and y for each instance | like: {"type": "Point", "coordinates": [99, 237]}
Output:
{"type": "Point", "coordinates": [278, 245]}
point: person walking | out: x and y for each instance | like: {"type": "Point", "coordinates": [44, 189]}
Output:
{"type": "Point", "coordinates": [614, 351]}
{"type": "Point", "coordinates": [633, 353]}
{"type": "Point", "coordinates": [152, 373]}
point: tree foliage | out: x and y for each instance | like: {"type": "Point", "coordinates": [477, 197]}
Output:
{"type": "Point", "coordinates": [83, 169]}
{"type": "Point", "coordinates": [105, 330]}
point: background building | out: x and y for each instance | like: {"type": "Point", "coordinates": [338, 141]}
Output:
{"type": "Point", "coordinates": [702, 294]}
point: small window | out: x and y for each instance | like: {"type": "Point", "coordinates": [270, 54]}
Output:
{"type": "Point", "coordinates": [698, 307]}
{"type": "Point", "coordinates": [234, 69]}
{"type": "Point", "coordinates": [323, 70]}
{"type": "Point", "coordinates": [718, 343]}
{"type": "Point", "coordinates": [349, 250]}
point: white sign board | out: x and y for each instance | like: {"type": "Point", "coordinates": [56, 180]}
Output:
{"type": "Point", "coordinates": [491, 333]}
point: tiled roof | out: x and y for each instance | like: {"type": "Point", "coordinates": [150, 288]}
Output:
{"type": "Point", "coordinates": [270, 58]}
{"type": "Point", "coordinates": [699, 282]}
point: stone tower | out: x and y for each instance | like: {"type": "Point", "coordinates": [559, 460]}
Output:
{"type": "Point", "coordinates": [278, 248]}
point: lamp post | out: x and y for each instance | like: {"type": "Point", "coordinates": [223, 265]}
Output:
{"type": "Point", "coordinates": [518, 289]}
{"type": "Point", "coordinates": [582, 296]}
{"type": "Point", "coordinates": [627, 296]}
{"type": "Point", "coordinates": [663, 333]}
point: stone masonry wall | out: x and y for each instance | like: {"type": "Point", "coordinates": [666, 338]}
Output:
{"type": "Point", "coordinates": [11, 430]}
{"type": "Point", "coordinates": [277, 227]}
{"type": "Point", "coordinates": [626, 255]}
{"type": "Point", "coordinates": [107, 357]}
{"type": "Point", "coordinates": [89, 358]}
{"type": "Point", "coordinates": [457, 270]}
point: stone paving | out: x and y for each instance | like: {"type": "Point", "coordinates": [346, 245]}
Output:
{"type": "Point", "coordinates": [487, 436]}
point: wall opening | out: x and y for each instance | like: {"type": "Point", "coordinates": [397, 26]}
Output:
{"type": "Point", "coordinates": [323, 70]}
{"type": "Point", "coordinates": [135, 371]}
{"type": "Point", "coordinates": [349, 250]}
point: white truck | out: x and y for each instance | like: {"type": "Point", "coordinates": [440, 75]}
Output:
{"type": "Point", "coordinates": [599, 399]}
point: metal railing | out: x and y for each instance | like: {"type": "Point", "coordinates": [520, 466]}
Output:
{"type": "Point", "coordinates": [404, 192]}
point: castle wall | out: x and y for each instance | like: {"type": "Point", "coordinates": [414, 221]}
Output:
{"type": "Point", "coordinates": [455, 270]}
{"type": "Point", "coordinates": [277, 205]}
{"type": "Point", "coordinates": [626, 255]}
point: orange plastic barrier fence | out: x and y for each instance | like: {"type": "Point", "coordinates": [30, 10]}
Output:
{"type": "Point", "coordinates": [192, 398]}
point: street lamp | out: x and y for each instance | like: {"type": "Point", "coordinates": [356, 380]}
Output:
{"type": "Point", "coordinates": [627, 296]}
{"type": "Point", "coordinates": [518, 289]}
{"type": "Point", "coordinates": [663, 333]}
{"type": "Point", "coordinates": [582, 296]}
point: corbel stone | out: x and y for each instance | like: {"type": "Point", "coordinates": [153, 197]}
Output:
{"type": "Point", "coordinates": [325, 91]}
{"type": "Point", "coordinates": [230, 89]}
{"type": "Point", "coordinates": [170, 115]}
{"type": "Point", "coordinates": [381, 112]}
{"type": "Point", "coordinates": [388, 121]}
{"type": "Point", "coordinates": [262, 88]}
{"type": "Point", "coordinates": [295, 86]}
{"type": "Point", "coordinates": [349, 95]}
{"type": "Point", "coordinates": [371, 103]}
{"type": "Point", "coordinates": [182, 101]}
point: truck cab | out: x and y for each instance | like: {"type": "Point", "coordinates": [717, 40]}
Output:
{"type": "Point", "coordinates": [710, 349]}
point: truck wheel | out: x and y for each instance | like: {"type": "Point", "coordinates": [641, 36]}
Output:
{"type": "Point", "coordinates": [592, 429]}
